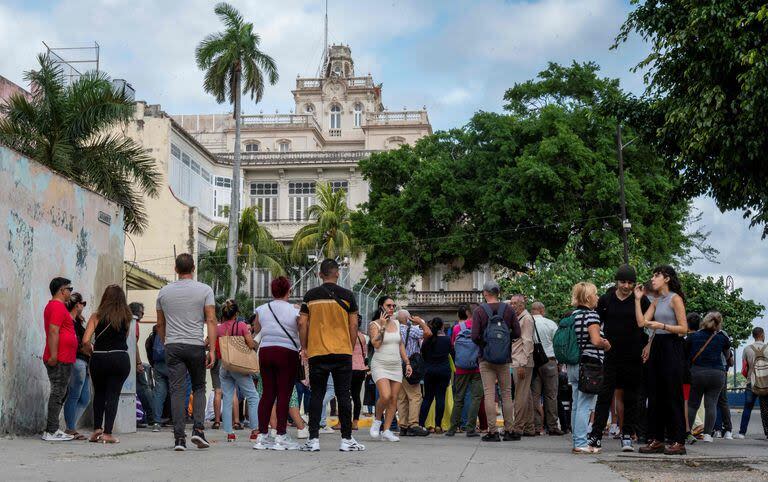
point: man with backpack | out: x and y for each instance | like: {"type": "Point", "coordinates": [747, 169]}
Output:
{"type": "Point", "coordinates": [756, 372]}
{"type": "Point", "coordinates": [467, 376]}
{"type": "Point", "coordinates": [494, 326]}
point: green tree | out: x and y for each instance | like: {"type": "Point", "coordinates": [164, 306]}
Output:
{"type": "Point", "coordinates": [234, 65]}
{"type": "Point", "coordinates": [706, 105]}
{"type": "Point", "coordinates": [330, 233]}
{"type": "Point", "coordinates": [506, 186]}
{"type": "Point", "coordinates": [213, 270]}
{"type": "Point", "coordinates": [70, 129]}
{"type": "Point", "coordinates": [256, 247]}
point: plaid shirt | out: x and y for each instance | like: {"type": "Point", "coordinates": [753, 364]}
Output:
{"type": "Point", "coordinates": [413, 343]}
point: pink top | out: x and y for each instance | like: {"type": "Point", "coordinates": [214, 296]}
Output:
{"type": "Point", "coordinates": [226, 329]}
{"type": "Point", "coordinates": [359, 353]}
{"type": "Point", "coordinates": [454, 334]}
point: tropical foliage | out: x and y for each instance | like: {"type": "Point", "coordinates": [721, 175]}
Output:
{"type": "Point", "coordinates": [72, 129]}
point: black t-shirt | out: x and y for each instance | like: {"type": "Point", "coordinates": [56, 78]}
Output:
{"type": "Point", "coordinates": [80, 331]}
{"type": "Point", "coordinates": [620, 326]}
{"type": "Point", "coordinates": [436, 351]}
{"type": "Point", "coordinates": [109, 339]}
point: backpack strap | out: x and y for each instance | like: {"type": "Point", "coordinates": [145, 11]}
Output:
{"type": "Point", "coordinates": [487, 308]}
{"type": "Point", "coordinates": [462, 326]}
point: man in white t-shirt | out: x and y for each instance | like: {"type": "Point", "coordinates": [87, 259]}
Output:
{"type": "Point", "coordinates": [545, 379]}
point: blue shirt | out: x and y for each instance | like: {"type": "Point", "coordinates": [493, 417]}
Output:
{"type": "Point", "coordinates": [712, 356]}
{"type": "Point", "coordinates": [413, 343]}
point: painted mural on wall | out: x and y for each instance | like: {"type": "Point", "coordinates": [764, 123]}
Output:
{"type": "Point", "coordinates": [49, 226]}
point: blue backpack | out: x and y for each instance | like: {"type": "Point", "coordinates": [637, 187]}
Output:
{"type": "Point", "coordinates": [465, 349]}
{"type": "Point", "coordinates": [498, 343]}
{"type": "Point", "coordinates": [158, 349]}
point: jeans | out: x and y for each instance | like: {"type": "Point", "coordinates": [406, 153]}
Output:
{"type": "Point", "coordinates": [340, 368]}
{"type": "Point", "coordinates": [78, 394]}
{"type": "Point", "coordinates": [706, 382]}
{"type": "Point", "coordinates": [183, 359]}
{"type": "Point", "coordinates": [246, 388]}
{"type": "Point", "coordinates": [582, 404]}
{"type": "Point", "coordinates": [58, 376]}
{"type": "Point", "coordinates": [144, 392]}
{"type": "Point", "coordinates": [303, 393]}
{"type": "Point", "coordinates": [160, 375]}
{"type": "Point", "coordinates": [329, 393]}
{"type": "Point", "coordinates": [468, 384]}
{"type": "Point", "coordinates": [749, 404]}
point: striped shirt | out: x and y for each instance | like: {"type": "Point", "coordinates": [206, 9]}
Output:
{"type": "Point", "coordinates": [413, 343]}
{"type": "Point", "coordinates": [584, 319]}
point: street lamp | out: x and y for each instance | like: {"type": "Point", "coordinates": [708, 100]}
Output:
{"type": "Point", "coordinates": [625, 224]}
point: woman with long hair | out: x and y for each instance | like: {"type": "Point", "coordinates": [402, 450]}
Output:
{"type": "Point", "coordinates": [110, 362]}
{"type": "Point", "coordinates": [79, 389]}
{"type": "Point", "coordinates": [436, 351]}
{"type": "Point", "coordinates": [667, 317]}
{"type": "Point", "coordinates": [386, 366]}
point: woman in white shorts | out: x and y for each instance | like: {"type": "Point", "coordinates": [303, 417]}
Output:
{"type": "Point", "coordinates": [386, 366]}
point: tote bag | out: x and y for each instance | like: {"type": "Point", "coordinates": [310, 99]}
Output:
{"type": "Point", "coordinates": [236, 355]}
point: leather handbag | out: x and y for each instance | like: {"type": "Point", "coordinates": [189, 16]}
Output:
{"type": "Point", "coordinates": [236, 355]}
{"type": "Point", "coordinates": [591, 374]}
{"type": "Point", "coordinates": [540, 357]}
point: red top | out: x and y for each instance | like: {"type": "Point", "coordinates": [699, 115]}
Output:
{"type": "Point", "coordinates": [225, 329]}
{"type": "Point", "coordinates": [454, 334]}
{"type": "Point", "coordinates": [56, 314]}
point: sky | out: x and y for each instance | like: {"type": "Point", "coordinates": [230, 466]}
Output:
{"type": "Point", "coordinates": [453, 56]}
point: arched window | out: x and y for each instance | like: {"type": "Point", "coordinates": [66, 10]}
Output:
{"type": "Point", "coordinates": [251, 146]}
{"type": "Point", "coordinates": [335, 117]}
{"type": "Point", "coordinates": [284, 146]}
{"type": "Point", "coordinates": [358, 114]}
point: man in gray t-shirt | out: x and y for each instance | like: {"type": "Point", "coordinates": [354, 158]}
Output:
{"type": "Point", "coordinates": [183, 308]}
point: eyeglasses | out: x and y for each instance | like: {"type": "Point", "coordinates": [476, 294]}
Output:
{"type": "Point", "coordinates": [69, 288]}
{"type": "Point", "coordinates": [82, 303]}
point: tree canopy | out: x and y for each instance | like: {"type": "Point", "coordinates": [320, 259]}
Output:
{"type": "Point", "coordinates": [706, 106]}
{"type": "Point", "coordinates": [507, 186]}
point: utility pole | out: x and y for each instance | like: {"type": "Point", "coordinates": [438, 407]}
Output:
{"type": "Point", "coordinates": [625, 224]}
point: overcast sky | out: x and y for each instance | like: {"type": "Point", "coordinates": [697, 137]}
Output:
{"type": "Point", "coordinates": [455, 57]}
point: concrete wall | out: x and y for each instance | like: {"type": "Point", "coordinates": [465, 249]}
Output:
{"type": "Point", "coordinates": [50, 227]}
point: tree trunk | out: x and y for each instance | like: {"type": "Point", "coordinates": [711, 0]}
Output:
{"type": "Point", "coordinates": [234, 208]}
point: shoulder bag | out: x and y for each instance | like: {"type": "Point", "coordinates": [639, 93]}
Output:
{"type": "Point", "coordinates": [701, 350]}
{"type": "Point", "coordinates": [236, 355]}
{"type": "Point", "coordinates": [416, 361]}
{"type": "Point", "coordinates": [300, 373]}
{"type": "Point", "coordinates": [540, 357]}
{"type": "Point", "coordinates": [591, 373]}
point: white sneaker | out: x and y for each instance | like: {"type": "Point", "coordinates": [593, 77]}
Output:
{"type": "Point", "coordinates": [263, 442]}
{"type": "Point", "coordinates": [389, 436]}
{"type": "Point", "coordinates": [57, 436]}
{"type": "Point", "coordinates": [284, 442]}
{"type": "Point", "coordinates": [327, 429]}
{"type": "Point", "coordinates": [375, 428]}
{"type": "Point", "coordinates": [273, 432]}
{"type": "Point", "coordinates": [706, 438]}
{"type": "Point", "coordinates": [613, 430]}
{"type": "Point", "coordinates": [728, 435]}
{"type": "Point", "coordinates": [739, 436]}
{"type": "Point", "coordinates": [351, 445]}
{"type": "Point", "coordinates": [311, 445]}
{"type": "Point", "coordinates": [303, 432]}
{"type": "Point", "coordinates": [718, 434]}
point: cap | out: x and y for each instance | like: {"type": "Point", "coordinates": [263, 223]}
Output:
{"type": "Point", "coordinates": [491, 287]}
{"type": "Point", "coordinates": [626, 273]}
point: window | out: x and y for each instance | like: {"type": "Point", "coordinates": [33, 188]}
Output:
{"type": "Point", "coordinates": [301, 195]}
{"type": "Point", "coordinates": [337, 186]}
{"type": "Point", "coordinates": [252, 147]}
{"type": "Point", "coordinates": [185, 159]}
{"type": "Point", "coordinates": [206, 175]}
{"type": "Point", "coordinates": [335, 117]}
{"type": "Point", "coordinates": [175, 151]}
{"type": "Point", "coordinates": [195, 167]}
{"type": "Point", "coordinates": [264, 195]}
{"type": "Point", "coordinates": [222, 210]}
{"type": "Point", "coordinates": [223, 182]}
{"type": "Point", "coordinates": [358, 114]}
{"type": "Point", "coordinates": [284, 146]}
{"type": "Point", "coordinates": [309, 109]}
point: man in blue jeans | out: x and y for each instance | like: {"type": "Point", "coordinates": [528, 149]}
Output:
{"type": "Point", "coordinates": [156, 356]}
{"type": "Point", "coordinates": [750, 352]}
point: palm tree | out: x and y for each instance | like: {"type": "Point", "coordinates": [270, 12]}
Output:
{"type": "Point", "coordinates": [226, 57]}
{"type": "Point", "coordinates": [70, 129]}
{"type": "Point", "coordinates": [329, 235]}
{"type": "Point", "coordinates": [213, 270]}
{"type": "Point", "coordinates": [256, 249]}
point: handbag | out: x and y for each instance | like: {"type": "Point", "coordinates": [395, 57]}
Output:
{"type": "Point", "coordinates": [540, 357]}
{"type": "Point", "coordinates": [236, 355]}
{"type": "Point", "coordinates": [591, 374]}
{"type": "Point", "coordinates": [300, 372]}
{"type": "Point", "coordinates": [416, 361]}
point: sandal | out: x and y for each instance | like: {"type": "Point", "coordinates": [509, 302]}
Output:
{"type": "Point", "coordinates": [78, 436]}
{"type": "Point", "coordinates": [110, 440]}
{"type": "Point", "coordinates": [96, 436]}
{"type": "Point", "coordinates": [237, 426]}
{"type": "Point", "coordinates": [216, 425]}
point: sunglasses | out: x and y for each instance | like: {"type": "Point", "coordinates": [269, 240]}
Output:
{"type": "Point", "coordinates": [82, 303]}
{"type": "Point", "coordinates": [69, 288]}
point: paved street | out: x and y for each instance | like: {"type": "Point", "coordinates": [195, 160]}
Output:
{"type": "Point", "coordinates": [148, 456]}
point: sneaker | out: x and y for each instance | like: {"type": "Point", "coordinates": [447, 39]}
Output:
{"type": "Point", "coordinates": [352, 445]}
{"type": "Point", "coordinates": [739, 436]}
{"type": "Point", "coordinates": [718, 434]}
{"type": "Point", "coordinates": [626, 444]}
{"type": "Point", "coordinates": [675, 449]}
{"type": "Point", "coordinates": [417, 431]}
{"type": "Point", "coordinates": [57, 436]}
{"type": "Point", "coordinates": [511, 437]}
{"type": "Point", "coordinates": [706, 438]}
{"type": "Point", "coordinates": [198, 438]}
{"type": "Point", "coordinates": [556, 432]}
{"type": "Point", "coordinates": [389, 436]}
{"type": "Point", "coordinates": [141, 425]}
{"type": "Point", "coordinates": [284, 442]}
{"type": "Point", "coordinates": [273, 432]}
{"type": "Point", "coordinates": [311, 445]}
{"type": "Point", "coordinates": [403, 431]}
{"type": "Point", "coordinates": [690, 439]}
{"type": "Point", "coordinates": [471, 433]}
{"type": "Point", "coordinates": [231, 437]}
{"type": "Point", "coordinates": [155, 427]}
{"type": "Point", "coordinates": [303, 432]}
{"type": "Point", "coordinates": [263, 442]}
{"type": "Point", "coordinates": [327, 429]}
{"type": "Point", "coordinates": [613, 431]}
{"type": "Point", "coordinates": [180, 445]}
{"type": "Point", "coordinates": [450, 433]}
{"type": "Point", "coordinates": [594, 442]}
{"type": "Point", "coordinates": [728, 435]}
{"type": "Point", "coordinates": [491, 437]}
{"type": "Point", "coordinates": [375, 428]}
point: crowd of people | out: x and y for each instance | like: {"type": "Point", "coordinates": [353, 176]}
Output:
{"type": "Point", "coordinates": [633, 354]}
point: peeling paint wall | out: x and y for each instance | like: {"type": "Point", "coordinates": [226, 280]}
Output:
{"type": "Point", "coordinates": [49, 227]}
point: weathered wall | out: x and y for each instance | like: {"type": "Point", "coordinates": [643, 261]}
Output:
{"type": "Point", "coordinates": [49, 227]}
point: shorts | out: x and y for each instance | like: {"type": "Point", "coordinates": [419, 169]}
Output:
{"type": "Point", "coordinates": [215, 380]}
{"type": "Point", "coordinates": [686, 391]}
{"type": "Point", "coordinates": [292, 403]}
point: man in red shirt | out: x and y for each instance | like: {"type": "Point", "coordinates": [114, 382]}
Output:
{"type": "Point", "coordinates": [59, 355]}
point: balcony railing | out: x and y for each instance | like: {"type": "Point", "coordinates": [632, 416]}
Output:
{"type": "Point", "coordinates": [280, 120]}
{"type": "Point", "coordinates": [438, 298]}
{"type": "Point", "coordinates": [334, 132]}
{"type": "Point", "coordinates": [308, 83]}
{"type": "Point", "coordinates": [396, 117]}
{"type": "Point", "coordinates": [352, 82]}
{"type": "Point", "coordinates": [295, 157]}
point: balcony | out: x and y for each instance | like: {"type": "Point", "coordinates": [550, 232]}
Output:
{"type": "Point", "coordinates": [334, 132]}
{"type": "Point", "coordinates": [443, 298]}
{"type": "Point", "coordinates": [396, 118]}
{"type": "Point", "coordinates": [317, 83]}
{"type": "Point", "coordinates": [295, 158]}
{"type": "Point", "coordinates": [280, 120]}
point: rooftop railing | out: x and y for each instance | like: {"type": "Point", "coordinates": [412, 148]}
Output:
{"type": "Point", "coordinates": [295, 157]}
{"type": "Point", "coordinates": [397, 117]}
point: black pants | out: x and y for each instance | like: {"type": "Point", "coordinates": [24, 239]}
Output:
{"type": "Point", "coordinates": [182, 358]}
{"type": "Point", "coordinates": [108, 372]}
{"type": "Point", "coordinates": [358, 378]}
{"type": "Point", "coordinates": [624, 375]}
{"type": "Point", "coordinates": [666, 419]}
{"type": "Point", "coordinates": [340, 368]}
{"type": "Point", "coordinates": [435, 384]}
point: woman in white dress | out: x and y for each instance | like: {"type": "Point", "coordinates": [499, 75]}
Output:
{"type": "Point", "coordinates": [386, 366]}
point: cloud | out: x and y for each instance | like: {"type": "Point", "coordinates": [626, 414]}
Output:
{"type": "Point", "coordinates": [458, 95]}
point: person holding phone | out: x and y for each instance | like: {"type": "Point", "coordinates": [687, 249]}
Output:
{"type": "Point", "coordinates": [413, 331]}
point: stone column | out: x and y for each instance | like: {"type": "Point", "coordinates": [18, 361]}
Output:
{"type": "Point", "coordinates": [282, 197]}
{"type": "Point", "coordinates": [126, 410]}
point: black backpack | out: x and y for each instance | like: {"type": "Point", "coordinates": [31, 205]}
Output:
{"type": "Point", "coordinates": [417, 363]}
